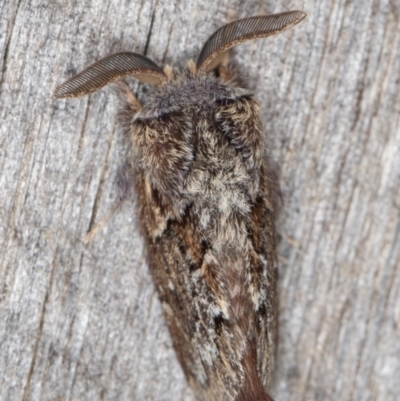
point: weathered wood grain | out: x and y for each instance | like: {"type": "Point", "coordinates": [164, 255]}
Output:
{"type": "Point", "coordinates": [82, 322]}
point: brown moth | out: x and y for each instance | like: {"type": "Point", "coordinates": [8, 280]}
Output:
{"type": "Point", "coordinates": [206, 207]}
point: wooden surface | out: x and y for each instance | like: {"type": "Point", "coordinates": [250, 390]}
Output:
{"type": "Point", "coordinates": [83, 322]}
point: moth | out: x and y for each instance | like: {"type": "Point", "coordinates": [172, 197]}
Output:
{"type": "Point", "coordinates": [206, 206]}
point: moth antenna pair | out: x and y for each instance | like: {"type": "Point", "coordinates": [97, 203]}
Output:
{"type": "Point", "coordinates": [120, 65]}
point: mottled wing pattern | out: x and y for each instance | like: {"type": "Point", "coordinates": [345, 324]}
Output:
{"type": "Point", "coordinates": [263, 276]}
{"type": "Point", "coordinates": [216, 277]}
{"type": "Point", "coordinates": [240, 121]}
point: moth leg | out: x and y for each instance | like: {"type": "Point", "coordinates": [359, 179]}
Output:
{"type": "Point", "coordinates": [124, 183]}
{"type": "Point", "coordinates": [126, 97]}
{"type": "Point", "coordinates": [231, 72]}
{"type": "Point", "coordinates": [100, 225]}
{"type": "Point", "coordinates": [224, 71]}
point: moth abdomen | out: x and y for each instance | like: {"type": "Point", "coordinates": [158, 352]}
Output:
{"type": "Point", "coordinates": [206, 206]}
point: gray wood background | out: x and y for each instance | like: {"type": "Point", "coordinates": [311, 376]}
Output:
{"type": "Point", "coordinates": [83, 322]}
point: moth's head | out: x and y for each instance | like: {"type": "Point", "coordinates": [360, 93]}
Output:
{"type": "Point", "coordinates": [117, 66]}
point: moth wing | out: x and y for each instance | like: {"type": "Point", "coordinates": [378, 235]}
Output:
{"type": "Point", "coordinates": [175, 259]}
{"type": "Point", "coordinates": [188, 311]}
{"type": "Point", "coordinates": [263, 265]}
{"type": "Point", "coordinates": [240, 122]}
